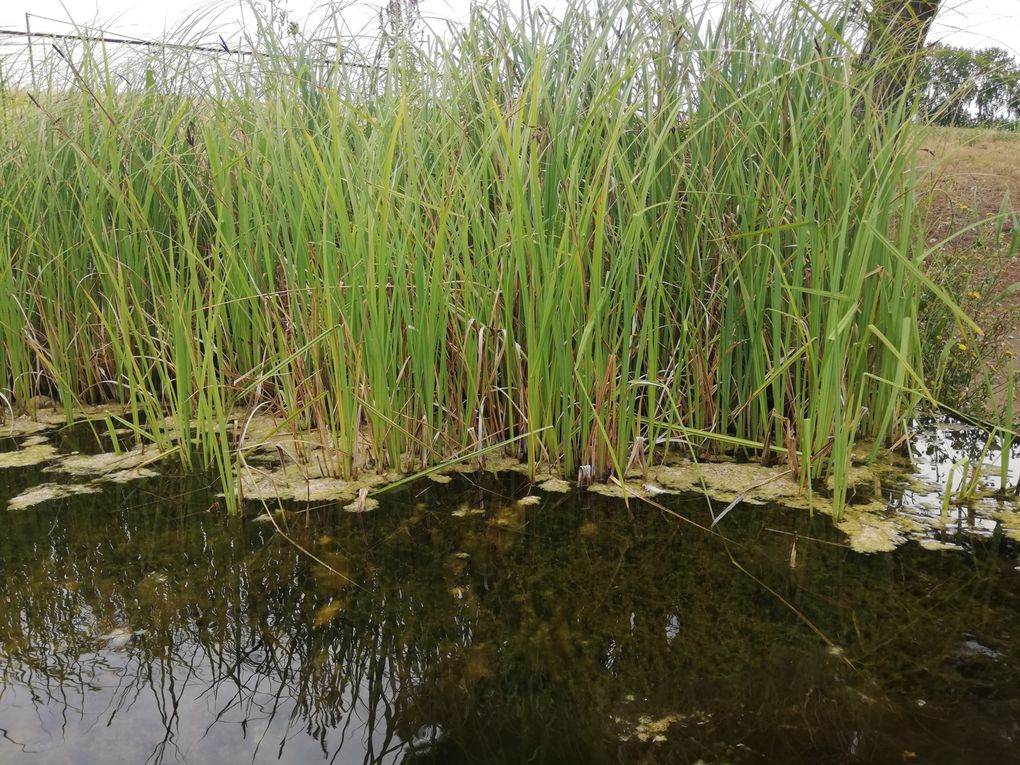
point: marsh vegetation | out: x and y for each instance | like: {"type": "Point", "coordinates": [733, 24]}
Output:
{"type": "Point", "coordinates": [587, 243]}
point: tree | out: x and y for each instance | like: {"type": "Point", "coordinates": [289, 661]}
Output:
{"type": "Point", "coordinates": [947, 85]}
{"type": "Point", "coordinates": [960, 86]}
{"type": "Point", "coordinates": [897, 30]}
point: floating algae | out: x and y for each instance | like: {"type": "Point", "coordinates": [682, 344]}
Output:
{"type": "Point", "coordinates": [620, 490]}
{"type": "Point", "coordinates": [868, 522]}
{"type": "Point", "coordinates": [130, 474]}
{"type": "Point", "coordinates": [363, 504]}
{"type": "Point", "coordinates": [555, 486]}
{"type": "Point", "coordinates": [1010, 523]}
{"type": "Point", "coordinates": [50, 417]}
{"type": "Point", "coordinates": [487, 464]}
{"type": "Point", "coordinates": [104, 463]}
{"type": "Point", "coordinates": [296, 464]}
{"type": "Point", "coordinates": [935, 545]}
{"type": "Point", "coordinates": [48, 491]}
{"type": "Point", "coordinates": [870, 525]}
{"type": "Point", "coordinates": [291, 481]}
{"type": "Point", "coordinates": [34, 454]}
{"type": "Point", "coordinates": [864, 482]}
{"type": "Point", "coordinates": [25, 426]}
{"type": "Point", "coordinates": [726, 481]}
{"type": "Point", "coordinates": [870, 532]}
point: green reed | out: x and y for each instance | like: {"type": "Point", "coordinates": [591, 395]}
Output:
{"type": "Point", "coordinates": [630, 223]}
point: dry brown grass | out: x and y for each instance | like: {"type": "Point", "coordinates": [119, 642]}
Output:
{"type": "Point", "coordinates": [971, 171]}
{"type": "Point", "coordinates": [973, 175]}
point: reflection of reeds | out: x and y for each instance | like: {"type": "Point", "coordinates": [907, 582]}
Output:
{"type": "Point", "coordinates": [614, 227]}
{"type": "Point", "coordinates": [227, 638]}
{"type": "Point", "coordinates": [496, 638]}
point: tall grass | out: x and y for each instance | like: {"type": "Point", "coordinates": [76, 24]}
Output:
{"type": "Point", "coordinates": [629, 225]}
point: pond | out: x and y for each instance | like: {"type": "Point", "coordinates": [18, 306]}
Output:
{"type": "Point", "coordinates": [457, 623]}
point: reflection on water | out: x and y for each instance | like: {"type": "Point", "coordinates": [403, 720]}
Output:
{"type": "Point", "coordinates": [137, 626]}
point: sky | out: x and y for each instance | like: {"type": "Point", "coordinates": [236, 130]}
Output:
{"type": "Point", "coordinates": [971, 23]}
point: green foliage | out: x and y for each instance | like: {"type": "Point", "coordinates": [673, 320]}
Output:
{"type": "Point", "coordinates": [626, 226]}
{"type": "Point", "coordinates": [963, 87]}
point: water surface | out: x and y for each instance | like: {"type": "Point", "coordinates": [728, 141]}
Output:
{"type": "Point", "coordinates": [455, 625]}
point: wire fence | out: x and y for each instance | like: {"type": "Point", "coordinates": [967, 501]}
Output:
{"type": "Point", "coordinates": [44, 60]}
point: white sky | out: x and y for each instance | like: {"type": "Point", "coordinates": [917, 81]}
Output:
{"type": "Point", "coordinates": [973, 23]}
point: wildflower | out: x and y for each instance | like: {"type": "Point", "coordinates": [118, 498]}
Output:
{"type": "Point", "coordinates": [974, 294]}
{"type": "Point", "coordinates": [962, 346]}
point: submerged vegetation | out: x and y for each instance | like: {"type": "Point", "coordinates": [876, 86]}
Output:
{"type": "Point", "coordinates": [136, 626]}
{"type": "Point", "coordinates": [585, 242]}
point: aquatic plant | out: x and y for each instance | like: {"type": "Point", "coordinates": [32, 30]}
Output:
{"type": "Point", "coordinates": [630, 230]}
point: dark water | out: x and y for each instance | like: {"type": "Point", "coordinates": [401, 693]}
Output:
{"type": "Point", "coordinates": [139, 626]}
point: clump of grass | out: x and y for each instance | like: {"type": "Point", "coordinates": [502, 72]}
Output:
{"type": "Point", "coordinates": [626, 226]}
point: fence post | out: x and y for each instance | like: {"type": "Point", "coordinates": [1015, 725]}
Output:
{"type": "Point", "coordinates": [31, 57]}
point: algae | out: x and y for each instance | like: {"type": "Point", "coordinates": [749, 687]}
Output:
{"type": "Point", "coordinates": [619, 490]}
{"type": "Point", "coordinates": [936, 545]}
{"type": "Point", "coordinates": [555, 486]}
{"type": "Point", "coordinates": [130, 474]}
{"type": "Point", "coordinates": [28, 455]}
{"type": "Point", "coordinates": [873, 528]}
{"type": "Point", "coordinates": [49, 491]}
{"type": "Point", "coordinates": [24, 426]}
{"type": "Point", "coordinates": [362, 505]}
{"type": "Point", "coordinates": [292, 482]}
{"type": "Point", "coordinates": [105, 463]}
{"type": "Point", "coordinates": [871, 535]}
{"type": "Point", "coordinates": [299, 464]}
{"type": "Point", "coordinates": [727, 481]}
{"type": "Point", "coordinates": [1009, 521]}
{"type": "Point", "coordinates": [49, 417]}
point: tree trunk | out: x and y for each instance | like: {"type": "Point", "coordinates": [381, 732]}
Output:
{"type": "Point", "coordinates": [897, 30]}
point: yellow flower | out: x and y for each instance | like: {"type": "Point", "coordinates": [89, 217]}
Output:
{"type": "Point", "coordinates": [962, 346]}
{"type": "Point", "coordinates": [974, 294]}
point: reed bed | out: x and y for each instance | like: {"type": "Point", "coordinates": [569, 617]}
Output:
{"type": "Point", "coordinates": [592, 240]}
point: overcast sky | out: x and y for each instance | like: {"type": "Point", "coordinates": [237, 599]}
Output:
{"type": "Point", "coordinates": [973, 23]}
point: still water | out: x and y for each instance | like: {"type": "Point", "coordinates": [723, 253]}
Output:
{"type": "Point", "coordinates": [457, 625]}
